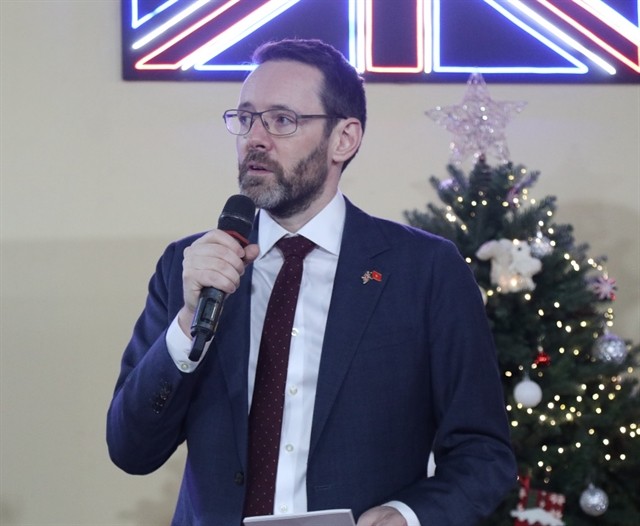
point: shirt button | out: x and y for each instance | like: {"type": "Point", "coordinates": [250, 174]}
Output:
{"type": "Point", "coordinates": [293, 390]}
{"type": "Point", "coordinates": [284, 508]}
{"type": "Point", "coordinates": [295, 332]}
{"type": "Point", "coordinates": [289, 448]}
{"type": "Point", "coordinates": [184, 366]}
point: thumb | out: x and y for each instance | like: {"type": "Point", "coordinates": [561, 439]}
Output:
{"type": "Point", "coordinates": [251, 252]}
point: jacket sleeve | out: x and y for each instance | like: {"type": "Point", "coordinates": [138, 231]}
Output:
{"type": "Point", "coordinates": [475, 464]}
{"type": "Point", "coordinates": [151, 398]}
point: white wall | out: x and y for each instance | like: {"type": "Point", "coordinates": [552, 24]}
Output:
{"type": "Point", "coordinates": [98, 175]}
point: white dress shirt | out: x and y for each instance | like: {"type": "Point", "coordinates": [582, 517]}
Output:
{"type": "Point", "coordinates": [325, 230]}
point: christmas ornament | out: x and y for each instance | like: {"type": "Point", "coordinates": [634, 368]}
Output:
{"type": "Point", "coordinates": [511, 264]}
{"type": "Point", "coordinates": [478, 123]}
{"type": "Point", "coordinates": [527, 393]}
{"type": "Point", "coordinates": [540, 246]}
{"type": "Point", "coordinates": [536, 507]}
{"type": "Point", "coordinates": [449, 185]}
{"type": "Point", "coordinates": [535, 517]}
{"type": "Point", "coordinates": [609, 348]}
{"type": "Point", "coordinates": [604, 287]}
{"type": "Point", "coordinates": [542, 359]}
{"type": "Point", "coordinates": [594, 501]}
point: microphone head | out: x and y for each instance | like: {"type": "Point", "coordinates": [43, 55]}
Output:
{"type": "Point", "coordinates": [237, 216]}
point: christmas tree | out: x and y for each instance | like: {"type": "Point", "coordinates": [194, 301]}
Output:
{"type": "Point", "coordinates": [571, 400]}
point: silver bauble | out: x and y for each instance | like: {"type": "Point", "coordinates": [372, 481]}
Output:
{"type": "Point", "coordinates": [540, 246]}
{"type": "Point", "coordinates": [527, 393]}
{"type": "Point", "coordinates": [594, 501]}
{"type": "Point", "coordinates": [609, 348]}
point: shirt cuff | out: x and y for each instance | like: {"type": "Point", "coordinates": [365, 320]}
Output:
{"type": "Point", "coordinates": [179, 346]}
{"type": "Point", "coordinates": [405, 511]}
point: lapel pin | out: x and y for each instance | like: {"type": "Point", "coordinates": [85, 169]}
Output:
{"type": "Point", "coordinates": [371, 275]}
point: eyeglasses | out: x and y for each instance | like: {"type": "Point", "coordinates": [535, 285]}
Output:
{"type": "Point", "coordinates": [277, 122]}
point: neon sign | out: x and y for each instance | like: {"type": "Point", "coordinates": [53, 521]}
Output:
{"type": "Point", "coordinates": [593, 41]}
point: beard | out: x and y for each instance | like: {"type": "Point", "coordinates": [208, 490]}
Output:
{"type": "Point", "coordinates": [287, 192]}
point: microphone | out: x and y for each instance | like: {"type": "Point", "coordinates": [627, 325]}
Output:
{"type": "Point", "coordinates": [237, 220]}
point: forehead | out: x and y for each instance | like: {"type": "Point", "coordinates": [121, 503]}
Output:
{"type": "Point", "coordinates": [287, 84]}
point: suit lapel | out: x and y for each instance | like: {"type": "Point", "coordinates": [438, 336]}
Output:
{"type": "Point", "coordinates": [352, 303]}
{"type": "Point", "coordinates": [232, 346]}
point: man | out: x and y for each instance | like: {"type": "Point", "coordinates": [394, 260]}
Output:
{"type": "Point", "coordinates": [391, 356]}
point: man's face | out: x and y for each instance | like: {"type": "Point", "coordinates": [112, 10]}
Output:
{"type": "Point", "coordinates": [283, 175]}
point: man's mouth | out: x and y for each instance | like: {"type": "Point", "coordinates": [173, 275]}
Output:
{"type": "Point", "coordinates": [257, 168]}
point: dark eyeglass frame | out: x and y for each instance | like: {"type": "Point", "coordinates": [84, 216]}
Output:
{"type": "Point", "coordinates": [254, 114]}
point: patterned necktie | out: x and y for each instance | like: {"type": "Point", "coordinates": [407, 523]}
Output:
{"type": "Point", "coordinates": [265, 417]}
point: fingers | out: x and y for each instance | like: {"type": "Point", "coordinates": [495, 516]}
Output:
{"type": "Point", "coordinates": [214, 260]}
{"type": "Point", "coordinates": [382, 516]}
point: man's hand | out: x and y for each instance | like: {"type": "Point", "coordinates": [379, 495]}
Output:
{"type": "Point", "coordinates": [214, 260]}
{"type": "Point", "coordinates": [381, 516]}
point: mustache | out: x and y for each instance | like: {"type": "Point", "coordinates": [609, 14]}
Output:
{"type": "Point", "coordinates": [258, 157]}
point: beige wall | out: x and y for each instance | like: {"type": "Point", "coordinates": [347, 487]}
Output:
{"type": "Point", "coordinates": [98, 175]}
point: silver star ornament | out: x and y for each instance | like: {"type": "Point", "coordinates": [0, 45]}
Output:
{"type": "Point", "coordinates": [478, 123]}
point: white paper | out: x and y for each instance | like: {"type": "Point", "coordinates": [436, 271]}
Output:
{"type": "Point", "coordinates": [311, 518]}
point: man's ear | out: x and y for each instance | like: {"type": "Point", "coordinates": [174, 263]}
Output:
{"type": "Point", "coordinates": [347, 137]}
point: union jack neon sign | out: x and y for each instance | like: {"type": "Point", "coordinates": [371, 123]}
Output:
{"type": "Point", "coordinates": [391, 40]}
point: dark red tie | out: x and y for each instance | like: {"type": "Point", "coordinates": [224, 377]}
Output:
{"type": "Point", "coordinates": [265, 417]}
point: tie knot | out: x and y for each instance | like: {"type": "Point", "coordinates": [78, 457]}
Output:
{"type": "Point", "coordinates": [297, 246]}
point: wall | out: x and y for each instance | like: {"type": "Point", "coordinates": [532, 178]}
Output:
{"type": "Point", "coordinates": [98, 175]}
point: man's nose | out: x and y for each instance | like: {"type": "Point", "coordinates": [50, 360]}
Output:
{"type": "Point", "coordinates": [258, 134]}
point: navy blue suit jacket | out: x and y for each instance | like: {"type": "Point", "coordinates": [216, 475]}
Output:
{"type": "Point", "coordinates": [408, 366]}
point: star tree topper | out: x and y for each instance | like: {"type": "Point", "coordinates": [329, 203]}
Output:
{"type": "Point", "coordinates": [477, 123]}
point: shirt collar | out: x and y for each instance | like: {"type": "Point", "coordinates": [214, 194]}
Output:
{"type": "Point", "coordinates": [324, 229]}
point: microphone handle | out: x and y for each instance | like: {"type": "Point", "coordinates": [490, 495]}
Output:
{"type": "Point", "coordinates": [205, 319]}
